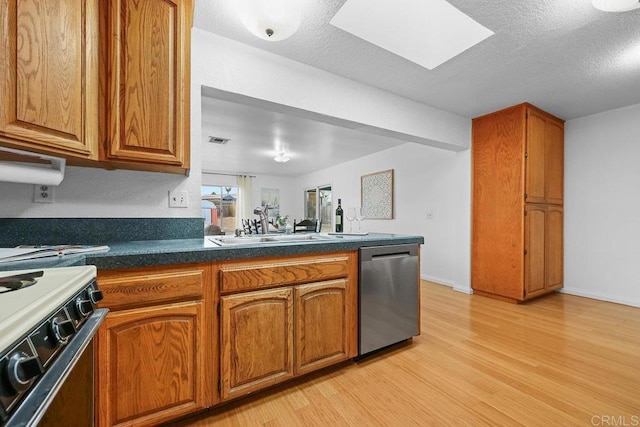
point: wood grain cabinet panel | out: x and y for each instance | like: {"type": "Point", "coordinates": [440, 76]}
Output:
{"type": "Point", "coordinates": [49, 76]}
{"type": "Point", "coordinates": [554, 162]}
{"type": "Point", "coordinates": [535, 244]}
{"type": "Point", "coordinates": [148, 81]}
{"type": "Point", "coordinates": [256, 340]}
{"type": "Point", "coordinates": [518, 158]}
{"type": "Point", "coordinates": [554, 247]}
{"type": "Point", "coordinates": [250, 275]}
{"type": "Point", "coordinates": [534, 157]}
{"type": "Point", "coordinates": [140, 287]}
{"type": "Point", "coordinates": [321, 331]}
{"type": "Point", "coordinates": [151, 361]}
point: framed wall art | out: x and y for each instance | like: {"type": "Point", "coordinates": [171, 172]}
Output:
{"type": "Point", "coordinates": [377, 195]}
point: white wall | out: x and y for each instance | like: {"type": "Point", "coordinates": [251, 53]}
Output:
{"type": "Point", "coordinates": [425, 179]}
{"type": "Point", "coordinates": [97, 193]}
{"type": "Point", "coordinates": [602, 206]}
{"type": "Point", "coordinates": [237, 68]}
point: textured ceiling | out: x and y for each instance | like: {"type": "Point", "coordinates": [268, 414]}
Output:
{"type": "Point", "coordinates": [562, 55]}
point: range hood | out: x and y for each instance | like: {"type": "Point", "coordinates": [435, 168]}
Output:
{"type": "Point", "coordinates": [45, 170]}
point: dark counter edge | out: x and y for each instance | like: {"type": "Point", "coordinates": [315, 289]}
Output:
{"type": "Point", "coordinates": [150, 253]}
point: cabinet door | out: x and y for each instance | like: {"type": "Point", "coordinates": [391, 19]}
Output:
{"type": "Point", "coordinates": [554, 162]}
{"type": "Point", "coordinates": [150, 367]}
{"type": "Point", "coordinates": [321, 330]}
{"type": "Point", "coordinates": [535, 148]}
{"type": "Point", "coordinates": [148, 80]}
{"type": "Point", "coordinates": [554, 247]}
{"type": "Point", "coordinates": [534, 260]}
{"type": "Point", "coordinates": [49, 76]}
{"type": "Point", "coordinates": [256, 339]}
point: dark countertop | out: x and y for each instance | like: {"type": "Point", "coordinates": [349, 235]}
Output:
{"type": "Point", "coordinates": [145, 253]}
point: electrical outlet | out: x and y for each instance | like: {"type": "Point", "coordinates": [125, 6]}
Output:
{"type": "Point", "coordinates": [42, 193]}
{"type": "Point", "coordinates": [178, 199]}
{"type": "Point", "coordinates": [429, 215]}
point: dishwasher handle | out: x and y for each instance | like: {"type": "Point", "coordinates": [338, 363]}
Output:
{"type": "Point", "coordinates": [385, 252]}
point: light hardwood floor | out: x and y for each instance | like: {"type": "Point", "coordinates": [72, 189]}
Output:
{"type": "Point", "coordinates": [559, 360]}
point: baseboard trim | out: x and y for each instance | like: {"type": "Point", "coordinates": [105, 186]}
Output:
{"type": "Point", "coordinates": [443, 282]}
{"type": "Point", "coordinates": [600, 296]}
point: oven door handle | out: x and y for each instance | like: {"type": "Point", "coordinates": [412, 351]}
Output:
{"type": "Point", "coordinates": [34, 406]}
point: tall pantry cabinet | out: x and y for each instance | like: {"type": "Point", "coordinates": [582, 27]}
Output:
{"type": "Point", "coordinates": [517, 214]}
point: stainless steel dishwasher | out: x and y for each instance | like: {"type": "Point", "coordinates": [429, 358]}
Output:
{"type": "Point", "coordinates": [389, 296]}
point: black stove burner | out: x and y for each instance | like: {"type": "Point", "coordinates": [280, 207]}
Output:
{"type": "Point", "coordinates": [19, 281]}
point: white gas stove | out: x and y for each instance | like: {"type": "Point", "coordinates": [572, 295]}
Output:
{"type": "Point", "coordinates": [47, 318]}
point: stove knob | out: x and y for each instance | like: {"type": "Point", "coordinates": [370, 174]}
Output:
{"type": "Point", "coordinates": [83, 307]}
{"type": "Point", "coordinates": [22, 369]}
{"type": "Point", "coordinates": [62, 330]}
{"type": "Point", "coordinates": [95, 295]}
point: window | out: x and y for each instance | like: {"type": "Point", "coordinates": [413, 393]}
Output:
{"type": "Point", "coordinates": [219, 206]}
{"type": "Point", "coordinates": [317, 204]}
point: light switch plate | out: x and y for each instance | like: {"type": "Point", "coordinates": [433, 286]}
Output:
{"type": "Point", "coordinates": [178, 199]}
{"type": "Point", "coordinates": [429, 215]}
{"type": "Point", "coordinates": [42, 193]}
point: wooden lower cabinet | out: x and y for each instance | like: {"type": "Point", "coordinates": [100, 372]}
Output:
{"type": "Point", "coordinates": [150, 364]}
{"type": "Point", "coordinates": [270, 336]}
{"type": "Point", "coordinates": [156, 351]}
{"type": "Point", "coordinates": [257, 336]}
{"type": "Point", "coordinates": [256, 340]}
{"type": "Point", "coordinates": [164, 351]}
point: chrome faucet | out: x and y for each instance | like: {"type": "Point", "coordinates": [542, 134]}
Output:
{"type": "Point", "coordinates": [263, 213]}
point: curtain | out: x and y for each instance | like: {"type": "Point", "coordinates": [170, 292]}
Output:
{"type": "Point", "coordinates": [245, 210]}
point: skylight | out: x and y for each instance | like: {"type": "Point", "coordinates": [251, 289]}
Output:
{"type": "Point", "coordinates": [428, 33]}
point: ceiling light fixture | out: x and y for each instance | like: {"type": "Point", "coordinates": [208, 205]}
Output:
{"type": "Point", "coordinates": [616, 5]}
{"type": "Point", "coordinates": [281, 157]}
{"type": "Point", "coordinates": [272, 20]}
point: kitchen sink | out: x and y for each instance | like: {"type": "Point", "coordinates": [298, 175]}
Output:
{"type": "Point", "coordinates": [268, 238]}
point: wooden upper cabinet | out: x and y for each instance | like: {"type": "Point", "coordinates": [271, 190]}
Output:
{"type": "Point", "coordinates": [534, 188]}
{"type": "Point", "coordinates": [49, 76]}
{"type": "Point", "coordinates": [544, 157]}
{"type": "Point", "coordinates": [554, 162]}
{"type": "Point", "coordinates": [146, 81]}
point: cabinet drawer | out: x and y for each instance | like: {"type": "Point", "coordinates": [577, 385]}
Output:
{"type": "Point", "coordinates": [259, 274]}
{"type": "Point", "coordinates": [139, 287]}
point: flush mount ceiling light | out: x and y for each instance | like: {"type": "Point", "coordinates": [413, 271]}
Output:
{"type": "Point", "coordinates": [616, 5]}
{"type": "Point", "coordinates": [281, 157]}
{"type": "Point", "coordinates": [272, 20]}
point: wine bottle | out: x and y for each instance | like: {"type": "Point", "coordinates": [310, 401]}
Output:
{"type": "Point", "coordinates": [339, 217]}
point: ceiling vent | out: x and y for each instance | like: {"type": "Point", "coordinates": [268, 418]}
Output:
{"type": "Point", "coordinates": [218, 140]}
